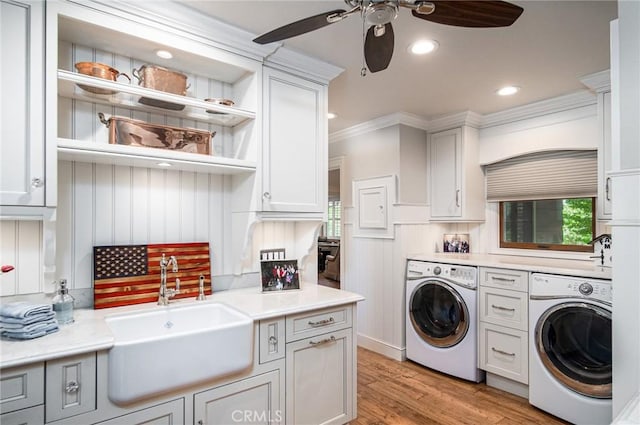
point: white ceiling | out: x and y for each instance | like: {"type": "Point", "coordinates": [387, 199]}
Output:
{"type": "Point", "coordinates": [545, 52]}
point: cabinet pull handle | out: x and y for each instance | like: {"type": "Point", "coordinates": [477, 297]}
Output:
{"type": "Point", "coordinates": [499, 307]}
{"type": "Point", "coordinates": [323, 341]}
{"type": "Point", "coordinates": [502, 279]}
{"type": "Point", "coordinates": [495, 350]}
{"type": "Point", "coordinates": [72, 387]}
{"type": "Point", "coordinates": [458, 198]}
{"type": "Point", "coordinates": [606, 188]}
{"type": "Point", "coordinates": [200, 422]}
{"type": "Point", "coordinates": [36, 182]}
{"type": "Point", "coordinates": [266, 195]}
{"type": "Point", "coordinates": [322, 322]}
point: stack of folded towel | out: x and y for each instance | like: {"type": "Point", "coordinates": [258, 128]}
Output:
{"type": "Point", "coordinates": [22, 320]}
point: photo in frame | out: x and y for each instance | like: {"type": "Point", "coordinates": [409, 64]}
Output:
{"type": "Point", "coordinates": [279, 275]}
{"type": "Point", "coordinates": [458, 242]}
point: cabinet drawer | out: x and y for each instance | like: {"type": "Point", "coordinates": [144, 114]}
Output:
{"type": "Point", "coordinates": [272, 341]}
{"type": "Point", "coordinates": [503, 307]}
{"type": "Point", "coordinates": [317, 322]}
{"type": "Point", "coordinates": [504, 351]}
{"type": "Point", "coordinates": [21, 387]}
{"type": "Point", "coordinates": [516, 280]}
{"type": "Point", "coordinates": [71, 386]}
{"type": "Point", "coordinates": [30, 416]}
{"type": "Point", "coordinates": [169, 413]}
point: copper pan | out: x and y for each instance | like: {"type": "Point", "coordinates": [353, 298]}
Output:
{"type": "Point", "coordinates": [99, 70]}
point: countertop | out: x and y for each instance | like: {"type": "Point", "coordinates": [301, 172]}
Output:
{"type": "Point", "coordinates": [532, 264]}
{"type": "Point", "coordinates": [90, 332]}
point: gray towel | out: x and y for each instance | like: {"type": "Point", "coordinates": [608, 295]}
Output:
{"type": "Point", "coordinates": [9, 322]}
{"type": "Point", "coordinates": [23, 309]}
{"type": "Point", "coordinates": [32, 331]}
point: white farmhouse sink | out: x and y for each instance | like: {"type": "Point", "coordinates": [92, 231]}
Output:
{"type": "Point", "coordinates": [171, 347]}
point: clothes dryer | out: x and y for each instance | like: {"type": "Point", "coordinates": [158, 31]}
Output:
{"type": "Point", "coordinates": [570, 360]}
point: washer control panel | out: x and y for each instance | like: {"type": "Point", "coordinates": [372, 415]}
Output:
{"type": "Point", "coordinates": [552, 285]}
{"type": "Point", "coordinates": [462, 275]}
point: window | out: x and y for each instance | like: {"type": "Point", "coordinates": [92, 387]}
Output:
{"type": "Point", "coordinates": [553, 224]}
{"type": "Point", "coordinates": [333, 220]}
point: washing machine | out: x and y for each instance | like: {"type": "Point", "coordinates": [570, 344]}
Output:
{"type": "Point", "coordinates": [441, 320]}
{"type": "Point", "coordinates": [570, 361]}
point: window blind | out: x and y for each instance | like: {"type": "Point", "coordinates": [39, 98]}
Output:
{"type": "Point", "coordinates": [544, 175]}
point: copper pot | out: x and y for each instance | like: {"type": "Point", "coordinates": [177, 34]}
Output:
{"type": "Point", "coordinates": [99, 70]}
{"type": "Point", "coordinates": [159, 78]}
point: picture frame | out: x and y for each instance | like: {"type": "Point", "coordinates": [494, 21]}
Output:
{"type": "Point", "coordinates": [279, 275]}
{"type": "Point", "coordinates": [456, 243]}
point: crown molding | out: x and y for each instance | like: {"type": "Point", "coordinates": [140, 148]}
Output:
{"type": "Point", "coordinates": [466, 118]}
{"type": "Point", "coordinates": [558, 104]}
{"type": "Point", "coordinates": [379, 123]}
{"type": "Point", "coordinates": [287, 60]}
{"type": "Point", "coordinates": [544, 107]}
{"type": "Point", "coordinates": [598, 82]}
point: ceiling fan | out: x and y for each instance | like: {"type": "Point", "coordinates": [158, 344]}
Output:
{"type": "Point", "coordinates": [378, 14]}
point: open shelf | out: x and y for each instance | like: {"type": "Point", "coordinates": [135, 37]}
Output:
{"type": "Point", "coordinates": [127, 95]}
{"type": "Point", "coordinates": [134, 156]}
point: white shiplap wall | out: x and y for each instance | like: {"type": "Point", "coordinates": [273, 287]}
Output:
{"type": "Point", "coordinates": [21, 247]}
{"type": "Point", "coordinates": [108, 205]}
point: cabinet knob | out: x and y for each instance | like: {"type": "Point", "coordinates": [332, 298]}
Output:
{"type": "Point", "coordinates": [273, 340]}
{"type": "Point", "coordinates": [72, 387]}
{"type": "Point", "coordinates": [266, 195]}
{"type": "Point", "coordinates": [36, 182]}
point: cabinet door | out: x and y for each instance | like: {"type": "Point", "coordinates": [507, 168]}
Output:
{"type": "Point", "coordinates": [22, 108]}
{"type": "Point", "coordinates": [320, 379]}
{"type": "Point", "coordinates": [604, 156]}
{"type": "Point", "coordinates": [254, 400]}
{"type": "Point", "coordinates": [71, 386]}
{"type": "Point", "coordinates": [170, 413]}
{"type": "Point", "coordinates": [445, 173]}
{"type": "Point", "coordinates": [294, 151]}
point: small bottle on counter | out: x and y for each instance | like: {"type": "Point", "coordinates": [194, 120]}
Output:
{"type": "Point", "coordinates": [63, 304]}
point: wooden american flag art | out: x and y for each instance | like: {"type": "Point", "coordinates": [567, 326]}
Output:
{"type": "Point", "coordinates": [130, 274]}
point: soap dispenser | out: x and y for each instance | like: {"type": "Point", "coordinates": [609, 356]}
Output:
{"type": "Point", "coordinates": [63, 304]}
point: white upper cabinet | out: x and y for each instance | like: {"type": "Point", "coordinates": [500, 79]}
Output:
{"type": "Point", "coordinates": [604, 156]}
{"type": "Point", "coordinates": [456, 180]}
{"type": "Point", "coordinates": [126, 43]}
{"type": "Point", "coordinates": [22, 149]}
{"type": "Point", "coordinates": [294, 145]}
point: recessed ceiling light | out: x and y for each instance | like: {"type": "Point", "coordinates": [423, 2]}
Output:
{"type": "Point", "coordinates": [331, 115]}
{"type": "Point", "coordinates": [508, 90]}
{"type": "Point", "coordinates": [164, 54]}
{"type": "Point", "coordinates": [422, 47]}
{"type": "Point", "coordinates": [163, 164]}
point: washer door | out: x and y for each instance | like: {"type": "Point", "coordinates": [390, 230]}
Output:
{"type": "Point", "coordinates": [438, 314]}
{"type": "Point", "coordinates": [573, 341]}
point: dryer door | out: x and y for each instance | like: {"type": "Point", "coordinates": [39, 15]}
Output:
{"type": "Point", "coordinates": [573, 341]}
{"type": "Point", "coordinates": [438, 313]}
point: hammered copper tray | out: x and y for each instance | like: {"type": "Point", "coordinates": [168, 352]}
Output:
{"type": "Point", "coordinates": [126, 131]}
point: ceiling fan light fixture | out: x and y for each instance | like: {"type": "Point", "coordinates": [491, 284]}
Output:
{"type": "Point", "coordinates": [508, 90]}
{"type": "Point", "coordinates": [423, 47]}
{"type": "Point", "coordinates": [380, 13]}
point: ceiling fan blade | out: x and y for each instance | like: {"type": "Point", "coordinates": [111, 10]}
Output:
{"type": "Point", "coordinates": [379, 50]}
{"type": "Point", "coordinates": [298, 27]}
{"type": "Point", "coordinates": [472, 13]}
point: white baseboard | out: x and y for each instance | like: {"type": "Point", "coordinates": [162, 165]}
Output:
{"type": "Point", "coordinates": [395, 353]}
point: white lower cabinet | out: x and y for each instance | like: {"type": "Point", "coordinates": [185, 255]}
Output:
{"type": "Point", "coordinates": [71, 386]}
{"type": "Point", "coordinates": [319, 379]}
{"type": "Point", "coordinates": [254, 400]}
{"type": "Point", "coordinates": [169, 413]}
{"type": "Point", "coordinates": [503, 314]}
{"type": "Point", "coordinates": [30, 416]}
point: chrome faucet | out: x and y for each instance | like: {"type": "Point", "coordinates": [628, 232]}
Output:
{"type": "Point", "coordinates": [165, 294]}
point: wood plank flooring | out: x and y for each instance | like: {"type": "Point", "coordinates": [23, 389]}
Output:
{"type": "Point", "coordinates": [406, 393]}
